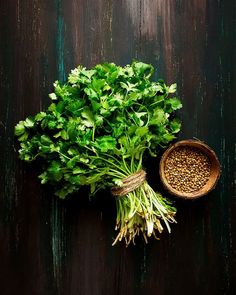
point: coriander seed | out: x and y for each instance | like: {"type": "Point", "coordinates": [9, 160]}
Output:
{"type": "Point", "coordinates": [187, 169]}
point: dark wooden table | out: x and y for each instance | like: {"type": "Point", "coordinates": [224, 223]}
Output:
{"type": "Point", "coordinates": [48, 246]}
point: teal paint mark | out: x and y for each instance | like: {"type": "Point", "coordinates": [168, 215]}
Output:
{"type": "Point", "coordinates": [57, 214]}
{"type": "Point", "coordinates": [60, 42]}
{"type": "Point", "coordinates": [57, 244]}
{"type": "Point", "coordinates": [222, 20]}
{"type": "Point", "coordinates": [143, 266]}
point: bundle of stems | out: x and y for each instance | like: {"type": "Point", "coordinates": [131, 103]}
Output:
{"type": "Point", "coordinates": [100, 126]}
{"type": "Point", "coordinates": [142, 210]}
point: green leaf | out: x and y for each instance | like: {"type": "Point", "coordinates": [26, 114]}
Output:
{"type": "Point", "coordinates": [141, 131]}
{"type": "Point", "coordinates": [43, 177]}
{"type": "Point", "coordinates": [72, 131]}
{"type": "Point", "coordinates": [89, 73]}
{"type": "Point", "coordinates": [98, 127]}
{"type": "Point", "coordinates": [88, 117]}
{"type": "Point", "coordinates": [54, 171]}
{"type": "Point", "coordinates": [29, 122]}
{"type": "Point", "coordinates": [78, 170]}
{"type": "Point", "coordinates": [75, 107]}
{"type": "Point", "coordinates": [45, 140]}
{"type": "Point", "coordinates": [23, 137]}
{"type": "Point", "coordinates": [159, 88]}
{"type": "Point", "coordinates": [137, 118]}
{"type": "Point", "coordinates": [172, 88]}
{"type": "Point", "coordinates": [158, 118]}
{"type": "Point", "coordinates": [105, 143]}
{"type": "Point", "coordinates": [52, 107]}
{"type": "Point", "coordinates": [72, 162]}
{"type": "Point", "coordinates": [98, 85]}
{"type": "Point", "coordinates": [53, 96]}
{"type": "Point", "coordinates": [128, 86]}
{"type": "Point", "coordinates": [166, 138]}
{"type": "Point", "coordinates": [64, 135]}
{"type": "Point", "coordinates": [75, 179]}
{"type": "Point", "coordinates": [60, 106]}
{"type": "Point", "coordinates": [73, 151]}
{"type": "Point", "coordinates": [175, 126]}
{"type": "Point", "coordinates": [20, 128]}
{"type": "Point", "coordinates": [142, 69]}
{"type": "Point", "coordinates": [98, 120]}
{"type": "Point", "coordinates": [174, 103]}
{"type": "Point", "coordinates": [91, 93]}
{"type": "Point", "coordinates": [66, 190]}
{"type": "Point", "coordinates": [40, 116]}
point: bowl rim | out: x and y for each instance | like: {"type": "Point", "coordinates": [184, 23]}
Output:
{"type": "Point", "coordinates": [188, 142]}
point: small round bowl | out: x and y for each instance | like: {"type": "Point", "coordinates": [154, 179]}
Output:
{"type": "Point", "coordinates": [214, 170]}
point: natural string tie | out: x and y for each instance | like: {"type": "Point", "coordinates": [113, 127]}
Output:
{"type": "Point", "coordinates": [129, 184]}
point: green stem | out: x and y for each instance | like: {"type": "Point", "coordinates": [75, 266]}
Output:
{"type": "Point", "coordinates": [64, 156]}
{"type": "Point", "coordinates": [141, 212]}
{"type": "Point", "coordinates": [93, 135]}
{"type": "Point", "coordinates": [111, 163]}
{"type": "Point", "coordinates": [127, 169]}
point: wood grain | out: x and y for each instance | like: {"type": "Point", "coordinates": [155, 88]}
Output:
{"type": "Point", "coordinates": [49, 246]}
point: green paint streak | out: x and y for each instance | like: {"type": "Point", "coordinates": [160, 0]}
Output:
{"type": "Point", "coordinates": [57, 242]}
{"type": "Point", "coordinates": [57, 213]}
{"type": "Point", "coordinates": [60, 42]}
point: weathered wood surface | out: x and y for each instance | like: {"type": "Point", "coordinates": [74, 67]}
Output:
{"type": "Point", "coordinates": [49, 246]}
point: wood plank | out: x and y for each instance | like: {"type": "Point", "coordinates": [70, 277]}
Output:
{"type": "Point", "coordinates": [48, 246]}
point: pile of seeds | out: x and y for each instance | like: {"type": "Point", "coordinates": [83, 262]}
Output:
{"type": "Point", "coordinates": [187, 169]}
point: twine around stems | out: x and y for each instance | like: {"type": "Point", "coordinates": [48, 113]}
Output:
{"type": "Point", "coordinates": [130, 183]}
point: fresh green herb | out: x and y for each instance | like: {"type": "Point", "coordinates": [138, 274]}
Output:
{"type": "Point", "coordinates": [100, 125]}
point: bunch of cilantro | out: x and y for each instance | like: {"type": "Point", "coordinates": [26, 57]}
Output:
{"type": "Point", "coordinates": [100, 125]}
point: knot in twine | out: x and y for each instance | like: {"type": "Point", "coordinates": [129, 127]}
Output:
{"type": "Point", "coordinates": [129, 184]}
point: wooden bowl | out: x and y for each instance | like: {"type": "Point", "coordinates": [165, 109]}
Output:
{"type": "Point", "coordinates": [214, 169]}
